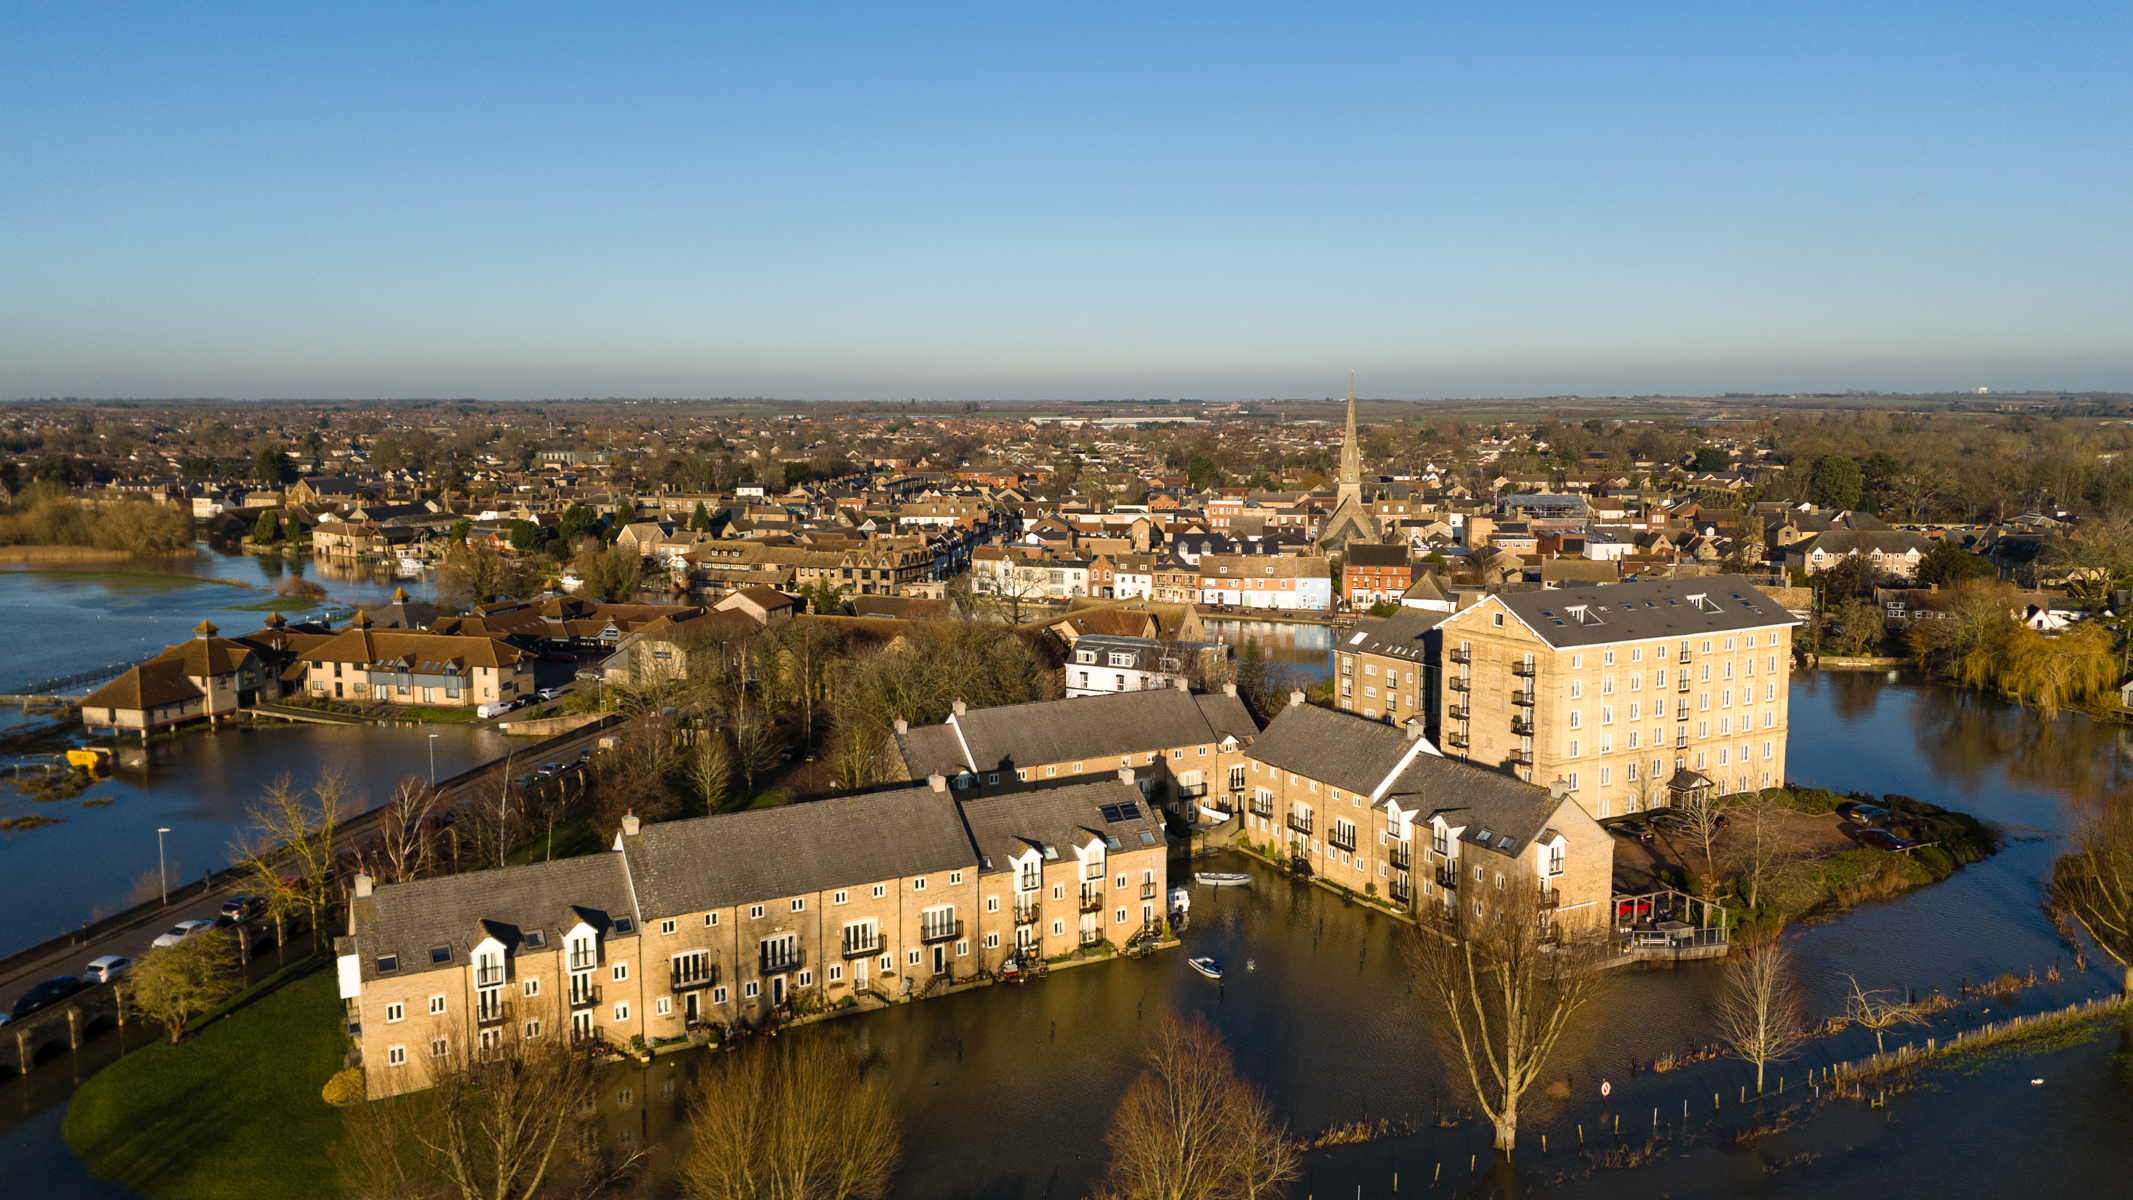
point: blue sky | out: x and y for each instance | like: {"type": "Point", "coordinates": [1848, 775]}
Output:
{"type": "Point", "coordinates": [1062, 201]}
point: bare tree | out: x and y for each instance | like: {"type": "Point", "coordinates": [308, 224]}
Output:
{"type": "Point", "coordinates": [710, 769]}
{"type": "Point", "coordinates": [1875, 1011]}
{"type": "Point", "coordinates": [1760, 1015]}
{"type": "Point", "coordinates": [791, 1122]}
{"type": "Point", "coordinates": [1509, 991]}
{"type": "Point", "coordinates": [1189, 1127]}
{"type": "Point", "coordinates": [1700, 821]}
{"type": "Point", "coordinates": [1016, 585]}
{"type": "Point", "coordinates": [1758, 845]}
{"type": "Point", "coordinates": [173, 984]}
{"type": "Point", "coordinates": [288, 854]}
{"type": "Point", "coordinates": [499, 1124]}
{"type": "Point", "coordinates": [407, 840]}
{"type": "Point", "coordinates": [2092, 885]}
{"type": "Point", "coordinates": [477, 573]}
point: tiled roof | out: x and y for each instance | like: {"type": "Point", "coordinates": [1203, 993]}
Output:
{"type": "Point", "coordinates": [1008, 825]}
{"type": "Point", "coordinates": [151, 685]}
{"type": "Point", "coordinates": [1637, 611]}
{"type": "Point", "coordinates": [1350, 752]}
{"type": "Point", "coordinates": [411, 919]}
{"type": "Point", "coordinates": [1397, 636]}
{"type": "Point", "coordinates": [1090, 729]}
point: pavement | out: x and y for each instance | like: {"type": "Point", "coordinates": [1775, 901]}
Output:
{"type": "Point", "coordinates": [134, 938]}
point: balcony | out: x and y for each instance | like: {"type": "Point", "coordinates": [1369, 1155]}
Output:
{"type": "Point", "coordinates": [1462, 657]}
{"type": "Point", "coordinates": [1090, 937]}
{"type": "Point", "coordinates": [779, 957]}
{"type": "Point", "coordinates": [584, 995]}
{"type": "Point", "coordinates": [1263, 808]}
{"type": "Point", "coordinates": [1681, 741]}
{"type": "Point", "coordinates": [1028, 914]}
{"type": "Point", "coordinates": [1458, 712]}
{"type": "Point", "coordinates": [1401, 891]}
{"type": "Point", "coordinates": [1523, 758]}
{"type": "Point", "coordinates": [689, 977]}
{"type": "Point", "coordinates": [1457, 741]}
{"type": "Point", "coordinates": [1401, 857]}
{"type": "Point", "coordinates": [584, 960]}
{"type": "Point", "coordinates": [863, 947]}
{"type": "Point", "coordinates": [1092, 899]}
{"type": "Point", "coordinates": [1684, 688]}
{"type": "Point", "coordinates": [1300, 824]}
{"type": "Point", "coordinates": [1190, 791]}
{"type": "Point", "coordinates": [1459, 683]}
{"type": "Point", "coordinates": [1341, 839]}
{"type": "Point", "coordinates": [1148, 891]}
{"type": "Point", "coordinates": [1522, 726]}
{"type": "Point", "coordinates": [488, 976]}
{"type": "Point", "coordinates": [1524, 670]}
{"type": "Point", "coordinates": [1448, 878]}
{"type": "Point", "coordinates": [1522, 699]}
{"type": "Point", "coordinates": [489, 1010]}
{"type": "Point", "coordinates": [1551, 898]}
{"type": "Point", "coordinates": [939, 931]}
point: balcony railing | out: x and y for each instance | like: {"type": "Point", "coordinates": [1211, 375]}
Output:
{"type": "Point", "coordinates": [1401, 856]}
{"type": "Point", "coordinates": [1340, 840]}
{"type": "Point", "coordinates": [1524, 670]}
{"type": "Point", "coordinates": [1523, 758]}
{"type": "Point", "coordinates": [486, 976]}
{"type": "Point", "coordinates": [1401, 891]}
{"type": "Point", "coordinates": [1551, 897]}
{"type": "Point", "coordinates": [489, 1011]}
{"type": "Point", "coordinates": [1459, 683]}
{"type": "Point", "coordinates": [939, 931]}
{"type": "Point", "coordinates": [1301, 824]}
{"type": "Point", "coordinates": [1522, 726]}
{"type": "Point", "coordinates": [1681, 741]}
{"type": "Point", "coordinates": [1522, 699]}
{"type": "Point", "coordinates": [689, 978]}
{"type": "Point", "coordinates": [1090, 937]}
{"type": "Point", "coordinates": [1458, 712]}
{"type": "Point", "coordinates": [1448, 878]}
{"type": "Point", "coordinates": [862, 947]}
{"type": "Point", "coordinates": [1191, 790]}
{"type": "Point", "coordinates": [779, 957]}
{"type": "Point", "coordinates": [1092, 899]}
{"type": "Point", "coordinates": [1262, 808]}
{"type": "Point", "coordinates": [1462, 657]}
{"type": "Point", "coordinates": [1681, 712]}
{"type": "Point", "coordinates": [1457, 741]}
{"type": "Point", "coordinates": [584, 996]}
{"type": "Point", "coordinates": [1028, 914]}
{"type": "Point", "coordinates": [1684, 685]}
{"type": "Point", "coordinates": [584, 960]}
{"type": "Point", "coordinates": [1148, 891]}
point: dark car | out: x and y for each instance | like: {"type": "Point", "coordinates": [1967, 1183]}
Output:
{"type": "Point", "coordinates": [1868, 814]}
{"type": "Point", "coordinates": [1632, 829]}
{"type": "Point", "coordinates": [1881, 839]}
{"type": "Point", "coordinates": [548, 770]}
{"type": "Point", "coordinates": [559, 656]}
{"type": "Point", "coordinates": [45, 995]}
{"type": "Point", "coordinates": [240, 908]}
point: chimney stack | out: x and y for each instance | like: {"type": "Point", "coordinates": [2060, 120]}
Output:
{"type": "Point", "coordinates": [938, 781]}
{"type": "Point", "coordinates": [902, 726]}
{"type": "Point", "coordinates": [1184, 684]}
{"type": "Point", "coordinates": [1558, 790]}
{"type": "Point", "coordinates": [1295, 698]}
{"type": "Point", "coordinates": [362, 884]}
{"type": "Point", "coordinates": [631, 823]}
{"type": "Point", "coordinates": [1229, 689]}
{"type": "Point", "coordinates": [959, 707]}
{"type": "Point", "coordinates": [1414, 729]}
{"type": "Point", "coordinates": [1125, 776]}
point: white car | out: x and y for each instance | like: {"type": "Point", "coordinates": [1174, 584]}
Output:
{"type": "Point", "coordinates": [106, 969]}
{"type": "Point", "coordinates": [550, 693]}
{"type": "Point", "coordinates": [182, 930]}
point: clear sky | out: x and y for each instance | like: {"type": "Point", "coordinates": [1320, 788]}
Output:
{"type": "Point", "coordinates": [1059, 200]}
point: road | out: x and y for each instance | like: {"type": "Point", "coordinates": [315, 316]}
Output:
{"type": "Point", "coordinates": [134, 939]}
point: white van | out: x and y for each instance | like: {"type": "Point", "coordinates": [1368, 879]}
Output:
{"type": "Point", "coordinates": [494, 708]}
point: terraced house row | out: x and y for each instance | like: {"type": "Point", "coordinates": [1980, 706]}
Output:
{"type": "Point", "coordinates": [725, 919]}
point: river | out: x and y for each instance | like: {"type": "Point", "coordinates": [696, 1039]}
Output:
{"type": "Point", "coordinates": [1005, 1092]}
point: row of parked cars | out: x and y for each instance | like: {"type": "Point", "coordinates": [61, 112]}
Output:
{"type": "Point", "coordinates": [110, 967]}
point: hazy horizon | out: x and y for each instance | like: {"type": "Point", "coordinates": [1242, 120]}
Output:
{"type": "Point", "coordinates": [981, 204]}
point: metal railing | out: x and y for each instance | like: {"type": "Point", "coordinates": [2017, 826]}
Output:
{"type": "Point", "coordinates": [865, 947]}
{"type": "Point", "coordinates": [1401, 891]}
{"type": "Point", "coordinates": [690, 978]}
{"type": "Point", "coordinates": [1148, 891]}
{"type": "Point", "coordinates": [1522, 726]}
{"type": "Point", "coordinates": [1448, 878]}
{"type": "Point", "coordinates": [939, 931]}
{"type": "Point", "coordinates": [584, 960]}
{"type": "Point", "coordinates": [1459, 683]}
{"type": "Point", "coordinates": [489, 1012]}
{"type": "Point", "coordinates": [779, 957]}
{"type": "Point", "coordinates": [1262, 808]}
{"type": "Point", "coordinates": [1523, 758]}
{"type": "Point", "coordinates": [1191, 790]}
{"type": "Point", "coordinates": [1551, 897]}
{"type": "Point", "coordinates": [1300, 824]}
{"type": "Point", "coordinates": [584, 996]}
{"type": "Point", "coordinates": [1457, 712]}
{"type": "Point", "coordinates": [1092, 899]}
{"type": "Point", "coordinates": [1524, 670]}
{"type": "Point", "coordinates": [1462, 657]}
{"type": "Point", "coordinates": [1457, 741]}
{"type": "Point", "coordinates": [488, 976]}
{"type": "Point", "coordinates": [1401, 856]}
{"type": "Point", "coordinates": [1522, 699]}
{"type": "Point", "coordinates": [1028, 914]}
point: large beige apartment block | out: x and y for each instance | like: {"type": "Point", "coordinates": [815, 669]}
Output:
{"type": "Point", "coordinates": [1626, 694]}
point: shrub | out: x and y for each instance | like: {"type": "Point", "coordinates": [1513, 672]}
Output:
{"type": "Point", "coordinates": [1812, 801]}
{"type": "Point", "coordinates": [345, 1088]}
{"type": "Point", "coordinates": [1370, 889]}
{"type": "Point", "coordinates": [1936, 860]}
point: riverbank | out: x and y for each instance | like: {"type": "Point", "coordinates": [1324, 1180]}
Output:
{"type": "Point", "coordinates": [234, 1112]}
{"type": "Point", "coordinates": [78, 554]}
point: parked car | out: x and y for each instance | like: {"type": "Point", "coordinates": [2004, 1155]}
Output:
{"type": "Point", "coordinates": [1632, 828]}
{"type": "Point", "coordinates": [585, 755]}
{"type": "Point", "coordinates": [106, 969]}
{"type": "Point", "coordinates": [1881, 839]}
{"type": "Point", "coordinates": [589, 675]}
{"type": "Point", "coordinates": [242, 908]}
{"type": "Point", "coordinates": [494, 708]}
{"type": "Point", "coordinates": [548, 771]}
{"type": "Point", "coordinates": [1868, 814]}
{"type": "Point", "coordinates": [45, 995]}
{"type": "Point", "coordinates": [182, 930]}
{"type": "Point", "coordinates": [559, 656]}
{"type": "Point", "coordinates": [549, 693]}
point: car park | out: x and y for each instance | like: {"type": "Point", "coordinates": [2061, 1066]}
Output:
{"type": "Point", "coordinates": [1868, 814]}
{"type": "Point", "coordinates": [45, 995]}
{"type": "Point", "coordinates": [1632, 828]}
{"type": "Point", "coordinates": [106, 969]}
{"type": "Point", "coordinates": [181, 931]}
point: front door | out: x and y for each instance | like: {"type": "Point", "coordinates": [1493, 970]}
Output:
{"type": "Point", "coordinates": [859, 975]}
{"type": "Point", "coordinates": [940, 959]}
{"type": "Point", "coordinates": [688, 1007]}
{"type": "Point", "coordinates": [777, 990]}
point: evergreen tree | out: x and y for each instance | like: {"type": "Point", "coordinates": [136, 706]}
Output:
{"type": "Point", "coordinates": [700, 520]}
{"type": "Point", "coordinates": [267, 528]}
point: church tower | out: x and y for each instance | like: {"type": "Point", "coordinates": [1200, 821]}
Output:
{"type": "Point", "coordinates": [1351, 480]}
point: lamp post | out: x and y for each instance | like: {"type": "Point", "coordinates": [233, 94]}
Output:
{"type": "Point", "coordinates": [433, 760]}
{"type": "Point", "coordinates": [161, 874]}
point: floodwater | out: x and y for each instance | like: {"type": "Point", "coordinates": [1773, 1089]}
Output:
{"type": "Point", "coordinates": [1005, 1092]}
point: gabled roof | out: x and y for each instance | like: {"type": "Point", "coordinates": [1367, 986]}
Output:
{"type": "Point", "coordinates": [1095, 730]}
{"type": "Point", "coordinates": [1352, 753]}
{"type": "Point", "coordinates": [1398, 636]}
{"type": "Point", "coordinates": [1008, 825]}
{"type": "Point", "coordinates": [411, 919]}
{"type": "Point", "coordinates": [151, 685]}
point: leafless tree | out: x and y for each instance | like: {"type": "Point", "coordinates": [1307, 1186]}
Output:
{"type": "Point", "coordinates": [1760, 1015]}
{"type": "Point", "coordinates": [710, 769]}
{"type": "Point", "coordinates": [1876, 1011]}
{"type": "Point", "coordinates": [477, 573]}
{"type": "Point", "coordinates": [501, 1123]}
{"type": "Point", "coordinates": [1700, 820]}
{"type": "Point", "coordinates": [1758, 845]}
{"type": "Point", "coordinates": [1016, 585]}
{"type": "Point", "coordinates": [1508, 990]}
{"type": "Point", "coordinates": [2092, 884]}
{"type": "Point", "coordinates": [1189, 1127]}
{"type": "Point", "coordinates": [407, 838]}
{"type": "Point", "coordinates": [288, 853]}
{"type": "Point", "coordinates": [790, 1122]}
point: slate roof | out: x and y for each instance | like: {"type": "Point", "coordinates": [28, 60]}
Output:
{"type": "Point", "coordinates": [409, 919]}
{"type": "Point", "coordinates": [1007, 825]}
{"type": "Point", "coordinates": [1661, 608]}
{"type": "Point", "coordinates": [1352, 753]}
{"type": "Point", "coordinates": [1478, 798]}
{"type": "Point", "coordinates": [763, 854]}
{"type": "Point", "coordinates": [1371, 554]}
{"type": "Point", "coordinates": [1097, 730]}
{"type": "Point", "coordinates": [1397, 636]}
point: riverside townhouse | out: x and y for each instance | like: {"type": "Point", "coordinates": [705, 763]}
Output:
{"type": "Point", "coordinates": [1267, 581]}
{"type": "Point", "coordinates": [1628, 692]}
{"type": "Point", "coordinates": [391, 667]}
{"type": "Point", "coordinates": [739, 917]}
{"type": "Point", "coordinates": [1376, 809]}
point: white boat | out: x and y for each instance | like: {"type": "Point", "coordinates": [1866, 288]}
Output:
{"type": "Point", "coordinates": [1205, 966]}
{"type": "Point", "coordinates": [1222, 879]}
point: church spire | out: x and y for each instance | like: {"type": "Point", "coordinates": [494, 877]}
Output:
{"type": "Point", "coordinates": [1351, 480]}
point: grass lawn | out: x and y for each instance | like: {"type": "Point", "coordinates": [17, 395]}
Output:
{"type": "Point", "coordinates": [232, 1113]}
{"type": "Point", "coordinates": [438, 716]}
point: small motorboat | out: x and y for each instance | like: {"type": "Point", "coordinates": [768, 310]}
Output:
{"type": "Point", "coordinates": [1205, 966]}
{"type": "Point", "coordinates": [1222, 879]}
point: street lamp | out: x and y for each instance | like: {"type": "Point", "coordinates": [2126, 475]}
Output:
{"type": "Point", "coordinates": [161, 874]}
{"type": "Point", "coordinates": [433, 760]}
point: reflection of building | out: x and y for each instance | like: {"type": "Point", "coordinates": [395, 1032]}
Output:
{"type": "Point", "coordinates": [1615, 689]}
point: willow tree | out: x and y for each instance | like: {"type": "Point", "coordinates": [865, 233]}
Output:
{"type": "Point", "coordinates": [2075, 667]}
{"type": "Point", "coordinates": [2092, 884]}
{"type": "Point", "coordinates": [1509, 990]}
